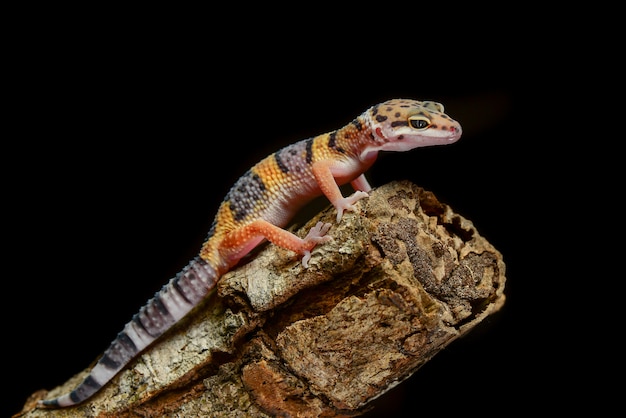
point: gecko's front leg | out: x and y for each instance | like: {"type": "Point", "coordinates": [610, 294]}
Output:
{"type": "Point", "coordinates": [323, 173]}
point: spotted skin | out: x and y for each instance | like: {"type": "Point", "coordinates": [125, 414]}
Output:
{"type": "Point", "coordinates": [258, 207]}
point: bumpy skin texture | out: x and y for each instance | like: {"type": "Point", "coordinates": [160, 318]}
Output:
{"type": "Point", "coordinates": [261, 203]}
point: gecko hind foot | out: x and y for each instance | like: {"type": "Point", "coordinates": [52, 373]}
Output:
{"type": "Point", "coordinates": [317, 235]}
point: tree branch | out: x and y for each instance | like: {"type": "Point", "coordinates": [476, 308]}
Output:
{"type": "Point", "coordinates": [403, 277]}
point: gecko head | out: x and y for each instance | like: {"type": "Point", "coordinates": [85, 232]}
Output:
{"type": "Point", "coordinates": [403, 124]}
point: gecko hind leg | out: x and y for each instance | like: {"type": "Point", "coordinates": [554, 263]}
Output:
{"type": "Point", "coordinates": [240, 241]}
{"type": "Point", "coordinates": [317, 234]}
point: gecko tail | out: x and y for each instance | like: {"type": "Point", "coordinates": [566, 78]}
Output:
{"type": "Point", "coordinates": [179, 296]}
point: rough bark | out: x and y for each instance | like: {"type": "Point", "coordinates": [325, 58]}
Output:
{"type": "Point", "coordinates": [403, 277]}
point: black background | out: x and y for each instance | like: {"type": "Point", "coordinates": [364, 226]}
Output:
{"type": "Point", "coordinates": [127, 136]}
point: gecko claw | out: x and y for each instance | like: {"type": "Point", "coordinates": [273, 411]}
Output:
{"type": "Point", "coordinates": [305, 259]}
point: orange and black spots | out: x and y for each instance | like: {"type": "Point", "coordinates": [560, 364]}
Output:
{"type": "Point", "coordinates": [295, 158]}
{"type": "Point", "coordinates": [332, 139]}
{"type": "Point", "coordinates": [280, 163]}
{"type": "Point", "coordinates": [358, 124]}
{"type": "Point", "coordinates": [332, 142]}
{"type": "Point", "coordinates": [245, 194]}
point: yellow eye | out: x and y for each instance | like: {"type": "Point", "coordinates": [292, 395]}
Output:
{"type": "Point", "coordinates": [419, 122]}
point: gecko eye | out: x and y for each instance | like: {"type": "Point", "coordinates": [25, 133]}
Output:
{"type": "Point", "coordinates": [419, 122]}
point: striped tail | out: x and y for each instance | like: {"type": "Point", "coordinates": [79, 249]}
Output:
{"type": "Point", "coordinates": [179, 296]}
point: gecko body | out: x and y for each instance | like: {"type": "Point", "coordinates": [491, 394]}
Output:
{"type": "Point", "coordinates": [258, 207]}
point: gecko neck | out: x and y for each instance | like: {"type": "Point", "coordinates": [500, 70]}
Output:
{"type": "Point", "coordinates": [355, 137]}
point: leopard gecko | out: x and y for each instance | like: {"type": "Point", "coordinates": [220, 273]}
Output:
{"type": "Point", "coordinates": [261, 203]}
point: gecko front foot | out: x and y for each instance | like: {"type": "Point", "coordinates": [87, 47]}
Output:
{"type": "Point", "coordinates": [347, 203]}
{"type": "Point", "coordinates": [316, 235]}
